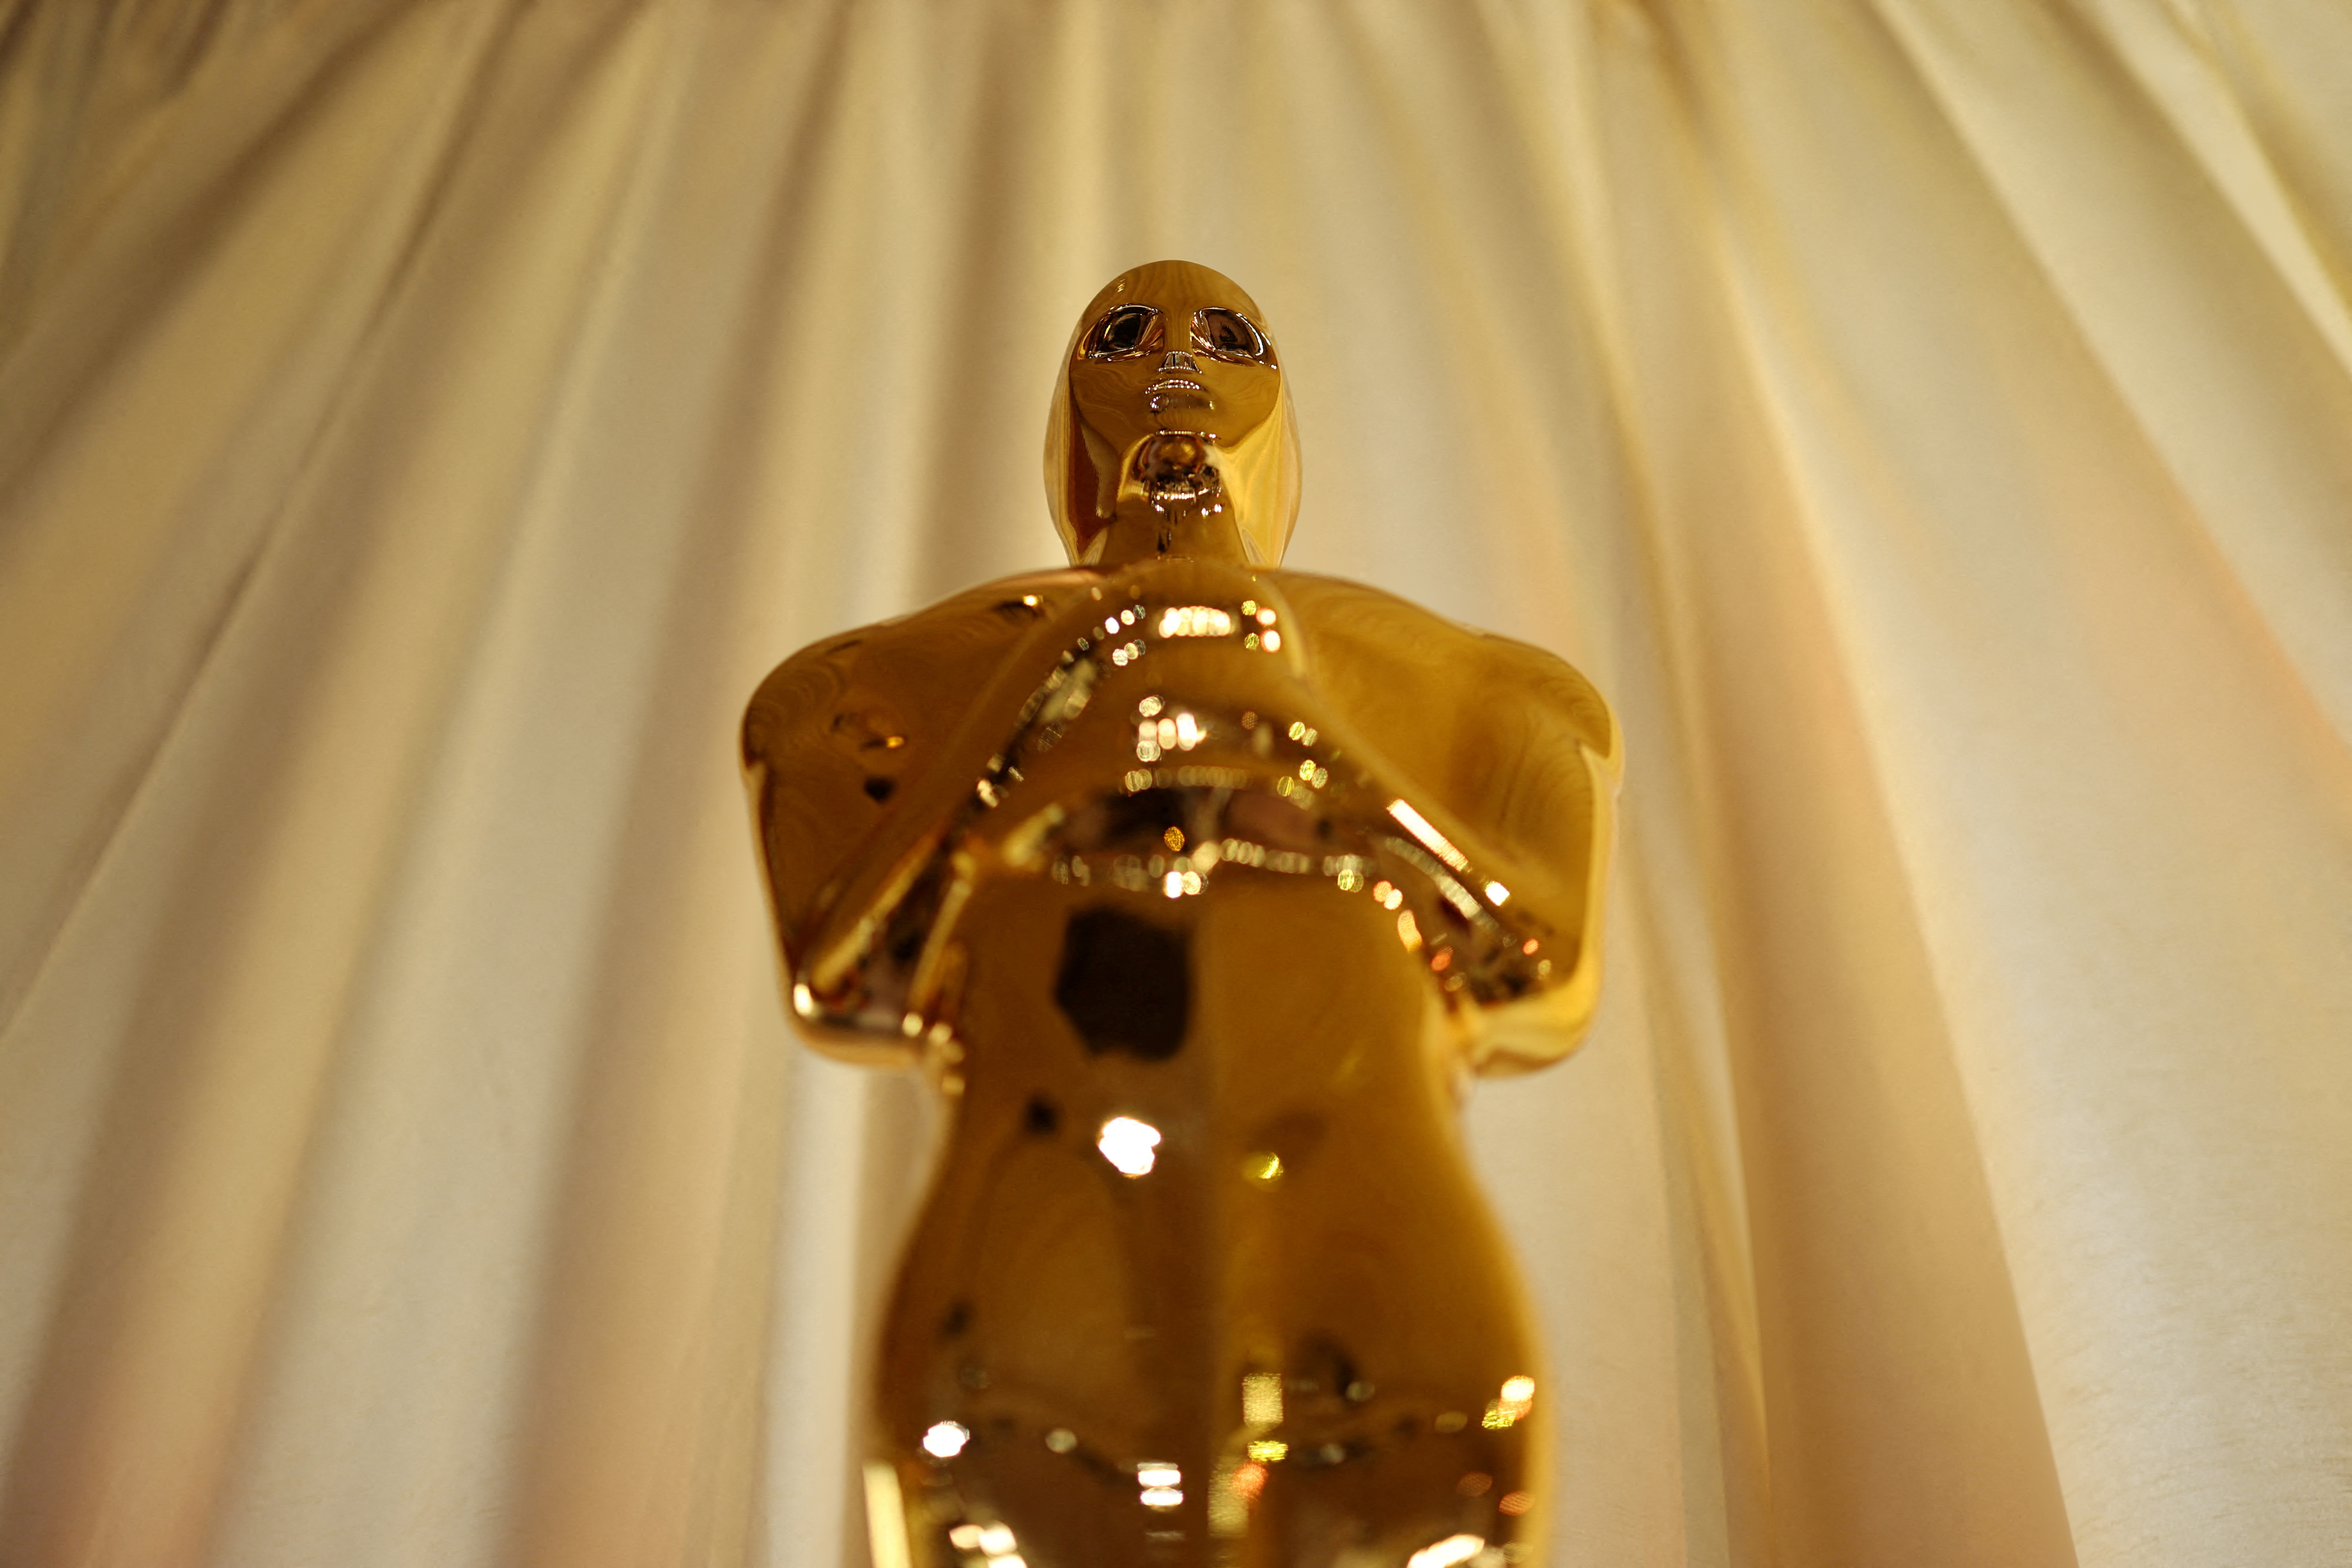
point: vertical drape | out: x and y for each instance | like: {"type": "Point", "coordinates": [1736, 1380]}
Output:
{"type": "Point", "coordinates": [423, 421]}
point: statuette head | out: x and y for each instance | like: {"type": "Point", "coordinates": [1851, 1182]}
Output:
{"type": "Point", "coordinates": [1171, 408]}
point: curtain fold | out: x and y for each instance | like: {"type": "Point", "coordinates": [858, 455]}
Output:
{"type": "Point", "coordinates": [422, 423]}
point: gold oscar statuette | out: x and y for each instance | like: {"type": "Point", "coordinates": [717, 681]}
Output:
{"type": "Point", "coordinates": [1197, 888]}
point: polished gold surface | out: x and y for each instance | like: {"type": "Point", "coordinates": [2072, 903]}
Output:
{"type": "Point", "coordinates": [1196, 886]}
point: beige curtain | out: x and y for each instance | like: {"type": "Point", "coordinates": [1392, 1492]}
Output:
{"type": "Point", "coordinates": [423, 421]}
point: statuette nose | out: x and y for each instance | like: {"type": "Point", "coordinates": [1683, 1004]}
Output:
{"type": "Point", "coordinates": [1177, 360]}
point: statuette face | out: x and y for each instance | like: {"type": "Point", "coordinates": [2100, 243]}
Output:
{"type": "Point", "coordinates": [1196, 888]}
{"type": "Point", "coordinates": [1172, 349]}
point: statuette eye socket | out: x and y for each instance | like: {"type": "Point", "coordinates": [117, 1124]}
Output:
{"type": "Point", "coordinates": [1228, 335]}
{"type": "Point", "coordinates": [1125, 331]}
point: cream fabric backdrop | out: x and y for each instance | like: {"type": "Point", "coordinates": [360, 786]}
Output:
{"type": "Point", "coordinates": [1929, 420]}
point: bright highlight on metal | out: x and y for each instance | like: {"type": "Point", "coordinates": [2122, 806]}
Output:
{"type": "Point", "coordinates": [1195, 621]}
{"type": "Point", "coordinates": [1420, 827]}
{"type": "Point", "coordinates": [1262, 1399]}
{"type": "Point", "coordinates": [1161, 1484]}
{"type": "Point", "coordinates": [1447, 1552]}
{"type": "Point", "coordinates": [1130, 1145]}
{"type": "Point", "coordinates": [1511, 1406]}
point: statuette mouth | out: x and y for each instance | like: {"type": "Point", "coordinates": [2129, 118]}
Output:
{"type": "Point", "coordinates": [1178, 391]}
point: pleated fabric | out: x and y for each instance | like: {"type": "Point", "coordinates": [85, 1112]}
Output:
{"type": "Point", "coordinates": [422, 422]}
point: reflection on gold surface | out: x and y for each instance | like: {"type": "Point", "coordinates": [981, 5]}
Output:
{"type": "Point", "coordinates": [1448, 1552]}
{"type": "Point", "coordinates": [1129, 1144]}
{"type": "Point", "coordinates": [1177, 866]}
{"type": "Point", "coordinates": [1511, 1408]}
